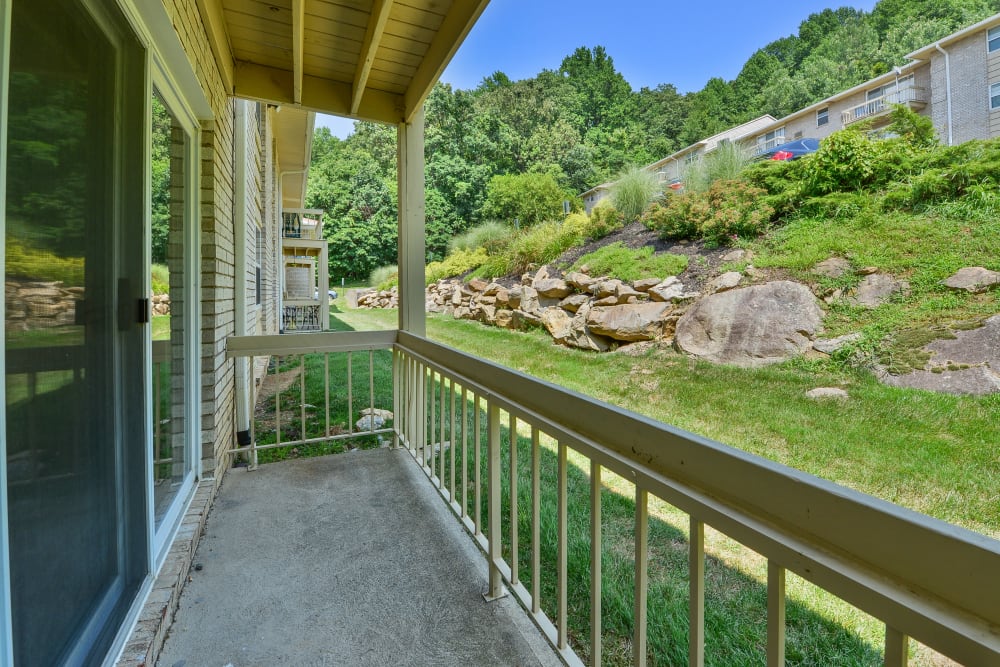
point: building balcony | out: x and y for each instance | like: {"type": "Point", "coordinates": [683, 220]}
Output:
{"type": "Point", "coordinates": [762, 147]}
{"type": "Point", "coordinates": [345, 552]}
{"type": "Point", "coordinates": [914, 97]}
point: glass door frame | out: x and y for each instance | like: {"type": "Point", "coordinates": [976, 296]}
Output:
{"type": "Point", "coordinates": [6, 628]}
{"type": "Point", "coordinates": [172, 97]}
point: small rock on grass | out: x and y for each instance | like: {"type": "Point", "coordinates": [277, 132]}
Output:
{"type": "Point", "coordinates": [826, 392]}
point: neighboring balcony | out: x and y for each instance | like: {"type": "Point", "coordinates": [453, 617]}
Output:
{"type": "Point", "coordinates": [763, 146]}
{"type": "Point", "coordinates": [564, 495]}
{"type": "Point", "coordinates": [913, 97]}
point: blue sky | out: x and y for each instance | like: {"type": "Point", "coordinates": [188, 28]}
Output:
{"type": "Point", "coordinates": [683, 43]}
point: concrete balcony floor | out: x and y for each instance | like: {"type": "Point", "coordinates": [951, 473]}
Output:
{"type": "Point", "coordinates": [349, 559]}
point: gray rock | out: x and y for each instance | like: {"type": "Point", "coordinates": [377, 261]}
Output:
{"type": "Point", "coordinates": [573, 302]}
{"type": "Point", "coordinates": [580, 281]}
{"type": "Point", "coordinates": [645, 284]}
{"type": "Point", "coordinates": [831, 345]}
{"type": "Point", "coordinates": [369, 423]}
{"type": "Point", "coordinates": [726, 281]}
{"type": "Point", "coordinates": [978, 381]}
{"type": "Point", "coordinates": [528, 301]}
{"type": "Point", "coordinates": [607, 288]}
{"type": "Point", "coordinates": [975, 346]}
{"type": "Point", "coordinates": [973, 279]}
{"type": "Point", "coordinates": [738, 255]}
{"type": "Point", "coordinates": [826, 392]}
{"type": "Point", "coordinates": [630, 323]}
{"type": "Point", "coordinates": [752, 326]}
{"type": "Point", "coordinates": [875, 289]}
{"type": "Point", "coordinates": [671, 289]}
{"type": "Point", "coordinates": [553, 288]}
{"type": "Point", "coordinates": [835, 267]}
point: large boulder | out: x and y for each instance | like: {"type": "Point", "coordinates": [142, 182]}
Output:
{"type": "Point", "coordinates": [553, 288]}
{"type": "Point", "coordinates": [580, 281]}
{"type": "Point", "coordinates": [753, 326]}
{"type": "Point", "coordinates": [630, 323]}
{"type": "Point", "coordinates": [671, 289]}
{"type": "Point", "coordinates": [557, 322]}
{"type": "Point", "coordinates": [973, 279]}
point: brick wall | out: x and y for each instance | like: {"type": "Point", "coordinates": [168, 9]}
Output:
{"type": "Point", "coordinates": [969, 90]}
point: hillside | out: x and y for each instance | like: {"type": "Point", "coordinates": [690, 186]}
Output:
{"type": "Point", "coordinates": [578, 123]}
{"type": "Point", "coordinates": [891, 249]}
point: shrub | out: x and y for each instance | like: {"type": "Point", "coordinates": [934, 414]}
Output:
{"type": "Point", "coordinates": [160, 278]}
{"type": "Point", "coordinates": [617, 261]}
{"type": "Point", "coordinates": [384, 277]}
{"type": "Point", "coordinates": [529, 198]}
{"type": "Point", "coordinates": [24, 261]}
{"type": "Point", "coordinates": [577, 223]}
{"type": "Point", "coordinates": [604, 219]}
{"type": "Point", "coordinates": [916, 130]}
{"type": "Point", "coordinates": [491, 236]}
{"type": "Point", "coordinates": [633, 191]}
{"type": "Point", "coordinates": [455, 264]}
{"type": "Point", "coordinates": [726, 211]}
{"type": "Point", "coordinates": [539, 245]}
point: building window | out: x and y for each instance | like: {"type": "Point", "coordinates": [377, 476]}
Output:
{"type": "Point", "coordinates": [993, 39]}
{"type": "Point", "coordinates": [690, 158]}
{"type": "Point", "coordinates": [995, 96]}
{"type": "Point", "coordinates": [822, 117]}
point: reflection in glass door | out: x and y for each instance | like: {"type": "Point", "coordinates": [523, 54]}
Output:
{"type": "Point", "coordinates": [73, 234]}
{"type": "Point", "coordinates": [172, 470]}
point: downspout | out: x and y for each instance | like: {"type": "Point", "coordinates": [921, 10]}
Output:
{"type": "Point", "coordinates": [947, 90]}
{"type": "Point", "coordinates": [242, 373]}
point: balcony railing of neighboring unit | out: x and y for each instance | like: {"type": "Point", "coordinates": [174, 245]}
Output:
{"type": "Point", "coordinates": [913, 96]}
{"type": "Point", "coordinates": [922, 577]}
{"type": "Point", "coordinates": [764, 146]}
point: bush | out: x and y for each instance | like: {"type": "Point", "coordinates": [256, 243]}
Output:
{"type": "Point", "coordinates": [617, 261]}
{"type": "Point", "coordinates": [455, 264]}
{"type": "Point", "coordinates": [539, 245]}
{"type": "Point", "coordinates": [161, 279]}
{"type": "Point", "coordinates": [529, 198]}
{"type": "Point", "coordinates": [491, 236]}
{"type": "Point", "coordinates": [633, 191]}
{"type": "Point", "coordinates": [577, 223]}
{"type": "Point", "coordinates": [726, 211]}
{"type": "Point", "coordinates": [384, 277]}
{"type": "Point", "coordinates": [24, 261]}
{"type": "Point", "coordinates": [604, 219]}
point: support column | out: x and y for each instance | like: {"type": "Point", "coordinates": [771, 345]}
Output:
{"type": "Point", "coordinates": [411, 253]}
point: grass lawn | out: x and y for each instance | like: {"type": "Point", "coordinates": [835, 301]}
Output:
{"type": "Point", "coordinates": [930, 452]}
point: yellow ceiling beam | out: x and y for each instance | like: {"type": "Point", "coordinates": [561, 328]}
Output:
{"type": "Point", "coordinates": [215, 25]}
{"type": "Point", "coordinates": [449, 37]}
{"type": "Point", "coordinates": [298, 47]}
{"type": "Point", "coordinates": [267, 84]}
{"type": "Point", "coordinates": [373, 37]}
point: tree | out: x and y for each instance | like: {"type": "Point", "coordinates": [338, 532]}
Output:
{"type": "Point", "coordinates": [603, 96]}
{"type": "Point", "coordinates": [527, 198]}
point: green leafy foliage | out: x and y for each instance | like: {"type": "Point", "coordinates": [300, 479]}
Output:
{"type": "Point", "coordinates": [384, 277]}
{"type": "Point", "coordinates": [604, 219]}
{"type": "Point", "coordinates": [32, 263]}
{"type": "Point", "coordinates": [540, 244]}
{"type": "Point", "coordinates": [629, 264]}
{"type": "Point", "coordinates": [455, 264]}
{"type": "Point", "coordinates": [633, 190]}
{"type": "Point", "coordinates": [160, 275]}
{"type": "Point", "coordinates": [727, 211]}
{"type": "Point", "coordinates": [491, 236]}
{"type": "Point", "coordinates": [527, 198]}
{"type": "Point", "coordinates": [726, 162]}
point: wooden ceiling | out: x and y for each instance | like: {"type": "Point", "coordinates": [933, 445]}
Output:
{"type": "Point", "coordinates": [369, 59]}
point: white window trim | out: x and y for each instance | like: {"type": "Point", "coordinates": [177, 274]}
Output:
{"type": "Point", "coordinates": [993, 34]}
{"type": "Point", "coordinates": [825, 111]}
{"type": "Point", "coordinates": [994, 92]}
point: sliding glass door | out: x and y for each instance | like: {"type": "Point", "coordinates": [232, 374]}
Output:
{"type": "Point", "coordinates": [76, 306]}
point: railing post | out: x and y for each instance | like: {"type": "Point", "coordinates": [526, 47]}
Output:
{"type": "Point", "coordinates": [595, 564]}
{"type": "Point", "coordinates": [775, 615]}
{"type": "Point", "coordinates": [641, 575]}
{"type": "Point", "coordinates": [696, 594]}
{"type": "Point", "coordinates": [562, 550]}
{"type": "Point", "coordinates": [396, 386]}
{"type": "Point", "coordinates": [897, 648]}
{"type": "Point", "coordinates": [493, 464]}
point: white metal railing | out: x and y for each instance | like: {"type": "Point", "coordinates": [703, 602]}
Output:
{"type": "Point", "coordinates": [921, 577]}
{"type": "Point", "coordinates": [883, 104]}
{"type": "Point", "coordinates": [293, 353]}
{"type": "Point", "coordinates": [764, 146]}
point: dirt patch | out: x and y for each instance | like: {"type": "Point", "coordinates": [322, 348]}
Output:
{"type": "Point", "coordinates": [275, 382]}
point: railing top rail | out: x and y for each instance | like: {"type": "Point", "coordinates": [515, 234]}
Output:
{"type": "Point", "coordinates": [934, 580]}
{"type": "Point", "coordinates": [307, 343]}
